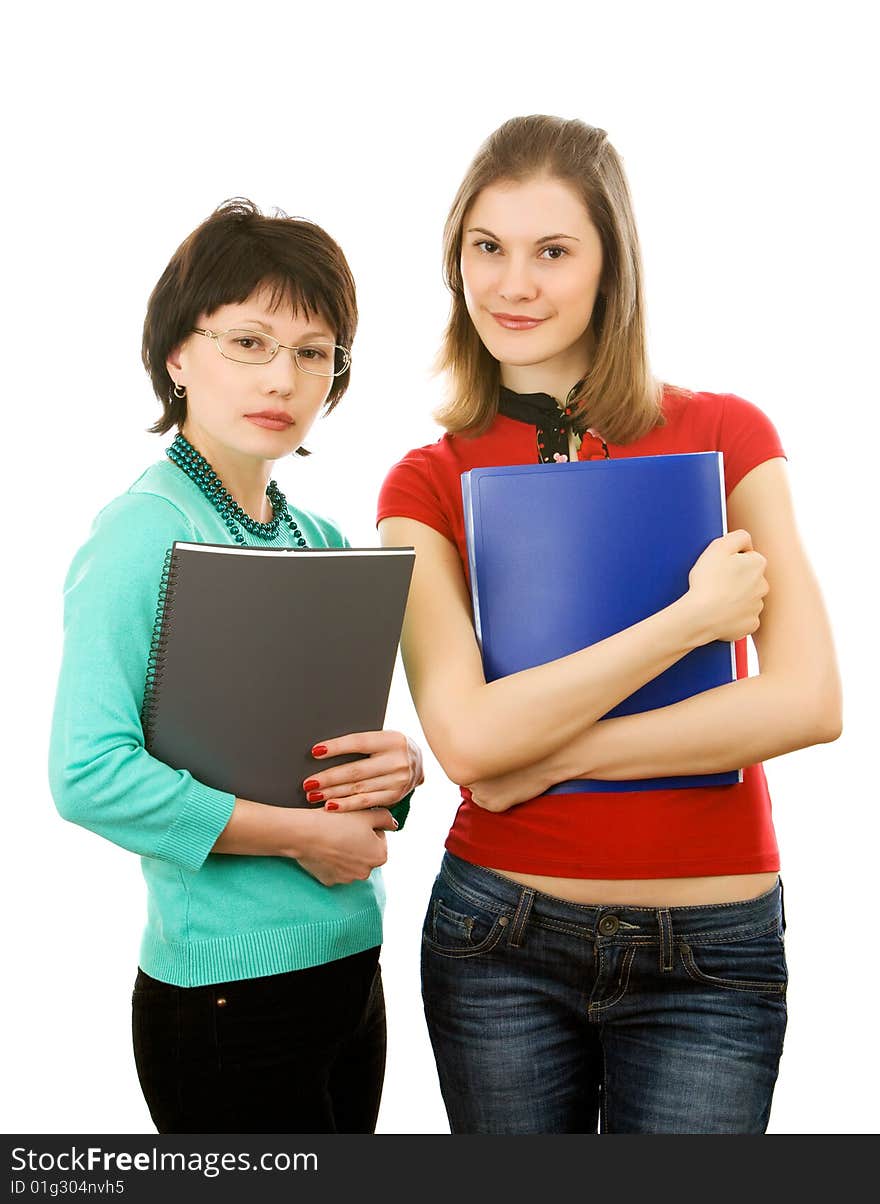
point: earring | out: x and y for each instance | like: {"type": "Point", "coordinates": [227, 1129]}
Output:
{"type": "Point", "coordinates": [180, 392]}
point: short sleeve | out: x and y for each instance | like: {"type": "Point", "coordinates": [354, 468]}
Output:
{"type": "Point", "coordinates": [747, 438]}
{"type": "Point", "coordinates": [410, 491]}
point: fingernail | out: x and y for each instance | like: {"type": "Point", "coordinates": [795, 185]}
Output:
{"type": "Point", "coordinates": [315, 796]}
{"type": "Point", "coordinates": [332, 806]}
{"type": "Point", "coordinates": [394, 821]}
{"type": "Point", "coordinates": [312, 784]}
{"type": "Point", "coordinates": [320, 750]}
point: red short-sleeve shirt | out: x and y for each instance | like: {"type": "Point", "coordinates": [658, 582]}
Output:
{"type": "Point", "coordinates": [645, 834]}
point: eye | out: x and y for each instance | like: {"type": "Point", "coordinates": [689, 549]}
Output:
{"type": "Point", "coordinates": [315, 352]}
{"type": "Point", "coordinates": [487, 246]}
{"type": "Point", "coordinates": [554, 252]}
{"type": "Point", "coordinates": [249, 342]}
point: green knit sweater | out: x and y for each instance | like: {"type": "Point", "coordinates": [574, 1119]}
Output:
{"type": "Point", "coordinates": [211, 917]}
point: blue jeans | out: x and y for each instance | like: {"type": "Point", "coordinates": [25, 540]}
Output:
{"type": "Point", "coordinates": [552, 1017]}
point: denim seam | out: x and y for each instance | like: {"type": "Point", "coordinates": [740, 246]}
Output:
{"type": "Point", "coordinates": [729, 935]}
{"type": "Point", "coordinates": [560, 926]}
{"type": "Point", "coordinates": [603, 1100]}
{"type": "Point", "coordinates": [521, 918]}
{"type": "Point", "coordinates": [622, 984]}
{"type": "Point", "coordinates": [722, 936]}
{"type": "Point", "coordinates": [485, 946]}
{"type": "Point", "coordinates": [440, 909]}
{"type": "Point", "coordinates": [752, 986]}
{"type": "Point", "coordinates": [664, 923]}
{"type": "Point", "coordinates": [477, 900]}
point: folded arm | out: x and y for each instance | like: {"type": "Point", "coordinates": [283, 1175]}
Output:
{"type": "Point", "coordinates": [478, 729]}
{"type": "Point", "coordinates": [101, 774]}
{"type": "Point", "coordinates": [794, 702]}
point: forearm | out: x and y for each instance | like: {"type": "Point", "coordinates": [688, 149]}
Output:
{"type": "Point", "coordinates": [544, 709]}
{"type": "Point", "coordinates": [259, 830]}
{"type": "Point", "coordinates": [735, 725]}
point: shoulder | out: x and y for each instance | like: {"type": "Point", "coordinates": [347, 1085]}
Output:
{"type": "Point", "coordinates": [431, 456]}
{"type": "Point", "coordinates": [150, 506]}
{"type": "Point", "coordinates": [425, 486]}
{"type": "Point", "coordinates": [722, 422]}
{"type": "Point", "coordinates": [712, 411]}
{"type": "Point", "coordinates": [130, 536]}
{"type": "Point", "coordinates": [421, 466]}
{"type": "Point", "coordinates": [413, 480]}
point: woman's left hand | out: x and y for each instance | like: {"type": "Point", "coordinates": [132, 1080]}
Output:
{"type": "Point", "coordinates": [390, 770]}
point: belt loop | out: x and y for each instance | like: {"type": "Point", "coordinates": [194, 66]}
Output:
{"type": "Point", "coordinates": [664, 922]}
{"type": "Point", "coordinates": [782, 903]}
{"type": "Point", "coordinates": [521, 918]}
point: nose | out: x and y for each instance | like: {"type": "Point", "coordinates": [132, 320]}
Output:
{"type": "Point", "coordinates": [279, 375]}
{"type": "Point", "coordinates": [517, 282]}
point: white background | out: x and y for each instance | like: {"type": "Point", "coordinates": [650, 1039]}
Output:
{"type": "Point", "coordinates": [746, 135]}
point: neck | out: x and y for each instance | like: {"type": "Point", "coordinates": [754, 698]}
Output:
{"type": "Point", "coordinates": [246, 477]}
{"type": "Point", "coordinates": [555, 376]}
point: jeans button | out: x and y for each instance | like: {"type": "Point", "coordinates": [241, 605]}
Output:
{"type": "Point", "coordinates": [608, 925]}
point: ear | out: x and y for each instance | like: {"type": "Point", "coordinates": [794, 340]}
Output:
{"type": "Point", "coordinates": [173, 364]}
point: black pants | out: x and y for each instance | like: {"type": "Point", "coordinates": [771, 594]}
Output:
{"type": "Point", "coordinates": [302, 1052]}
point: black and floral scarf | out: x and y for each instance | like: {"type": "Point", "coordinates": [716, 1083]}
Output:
{"type": "Point", "coordinates": [552, 421]}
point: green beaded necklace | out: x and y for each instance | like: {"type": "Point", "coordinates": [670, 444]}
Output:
{"type": "Point", "coordinates": [182, 453]}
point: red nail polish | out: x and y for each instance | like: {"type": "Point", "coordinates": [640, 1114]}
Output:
{"type": "Point", "coordinates": [311, 784]}
{"type": "Point", "coordinates": [332, 806]}
{"type": "Point", "coordinates": [320, 750]}
{"type": "Point", "coordinates": [315, 796]}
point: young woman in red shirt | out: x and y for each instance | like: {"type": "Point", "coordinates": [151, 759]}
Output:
{"type": "Point", "coordinates": [610, 959]}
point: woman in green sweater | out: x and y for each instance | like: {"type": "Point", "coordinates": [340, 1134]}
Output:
{"type": "Point", "coordinates": [258, 1002]}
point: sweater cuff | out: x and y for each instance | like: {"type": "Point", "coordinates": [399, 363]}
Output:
{"type": "Point", "coordinates": [194, 833]}
{"type": "Point", "coordinates": [400, 810]}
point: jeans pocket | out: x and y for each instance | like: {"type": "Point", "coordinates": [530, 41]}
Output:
{"type": "Point", "coordinates": [755, 964]}
{"type": "Point", "coordinates": [457, 927]}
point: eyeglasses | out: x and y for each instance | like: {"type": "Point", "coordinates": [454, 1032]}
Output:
{"type": "Point", "coordinates": [252, 347]}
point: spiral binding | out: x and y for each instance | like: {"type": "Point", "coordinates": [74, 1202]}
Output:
{"type": "Point", "coordinates": [158, 643]}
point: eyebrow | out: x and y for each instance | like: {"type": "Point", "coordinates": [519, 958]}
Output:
{"type": "Point", "coordinates": [309, 334]}
{"type": "Point", "coordinates": [538, 241]}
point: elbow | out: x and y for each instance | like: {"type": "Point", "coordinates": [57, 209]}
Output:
{"type": "Point", "coordinates": [829, 727]}
{"type": "Point", "coordinates": [826, 714]}
{"type": "Point", "coordinates": [81, 783]}
{"type": "Point", "coordinates": [68, 798]}
{"type": "Point", "coordinates": [458, 766]}
{"type": "Point", "coordinates": [456, 752]}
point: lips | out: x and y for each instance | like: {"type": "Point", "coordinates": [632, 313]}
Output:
{"type": "Point", "coordinates": [517, 321]}
{"type": "Point", "coordinates": [271, 420]}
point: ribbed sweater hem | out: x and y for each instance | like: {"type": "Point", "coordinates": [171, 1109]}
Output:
{"type": "Point", "coordinates": [255, 954]}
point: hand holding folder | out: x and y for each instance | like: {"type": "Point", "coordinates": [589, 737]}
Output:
{"type": "Point", "coordinates": [259, 653]}
{"type": "Point", "coordinates": [562, 556]}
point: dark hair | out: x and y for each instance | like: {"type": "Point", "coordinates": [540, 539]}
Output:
{"type": "Point", "coordinates": [225, 260]}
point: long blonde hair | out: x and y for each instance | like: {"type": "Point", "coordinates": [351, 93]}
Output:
{"type": "Point", "coordinates": [618, 397]}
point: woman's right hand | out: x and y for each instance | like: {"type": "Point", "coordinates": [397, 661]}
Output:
{"type": "Point", "coordinates": [728, 586]}
{"type": "Point", "coordinates": [344, 846]}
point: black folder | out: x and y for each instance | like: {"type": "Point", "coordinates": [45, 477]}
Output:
{"type": "Point", "coordinates": [258, 654]}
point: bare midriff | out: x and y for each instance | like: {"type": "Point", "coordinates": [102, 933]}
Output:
{"type": "Point", "coordinates": [649, 892]}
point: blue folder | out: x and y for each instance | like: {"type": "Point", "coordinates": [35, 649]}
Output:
{"type": "Point", "coordinates": [565, 555]}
